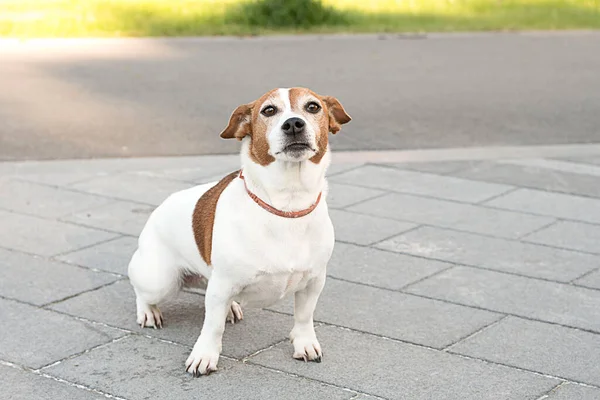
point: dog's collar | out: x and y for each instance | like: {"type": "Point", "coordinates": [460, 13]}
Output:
{"type": "Point", "coordinates": [279, 213]}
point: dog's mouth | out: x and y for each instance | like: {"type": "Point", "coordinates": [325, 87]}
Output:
{"type": "Point", "coordinates": [297, 147]}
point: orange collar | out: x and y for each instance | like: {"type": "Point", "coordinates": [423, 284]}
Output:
{"type": "Point", "coordinates": [279, 213]}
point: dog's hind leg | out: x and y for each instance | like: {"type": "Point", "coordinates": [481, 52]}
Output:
{"type": "Point", "coordinates": [154, 280]}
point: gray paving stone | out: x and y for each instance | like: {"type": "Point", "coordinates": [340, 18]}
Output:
{"type": "Point", "coordinates": [591, 280]}
{"type": "Point", "coordinates": [61, 178]}
{"type": "Point", "coordinates": [44, 201]}
{"type": "Point", "coordinates": [34, 337]}
{"type": "Point", "coordinates": [452, 215]}
{"type": "Point", "coordinates": [23, 385]}
{"type": "Point", "coordinates": [525, 344]}
{"type": "Point", "coordinates": [198, 173]}
{"type": "Point", "coordinates": [551, 204]}
{"type": "Point", "coordinates": [133, 187]}
{"type": "Point", "coordinates": [399, 371]}
{"type": "Point", "coordinates": [571, 391]}
{"type": "Point", "coordinates": [593, 160]}
{"type": "Point", "coordinates": [379, 268]}
{"type": "Point", "coordinates": [365, 229]}
{"type": "Point", "coordinates": [112, 256]}
{"type": "Point", "coordinates": [118, 216]}
{"type": "Point", "coordinates": [396, 315]}
{"type": "Point", "coordinates": [115, 305]}
{"type": "Point", "coordinates": [38, 281]}
{"type": "Point", "coordinates": [444, 187]}
{"type": "Point", "coordinates": [44, 237]}
{"type": "Point", "coordinates": [532, 298]}
{"type": "Point", "coordinates": [552, 165]}
{"type": "Point", "coordinates": [337, 168]}
{"type": "Point", "coordinates": [498, 254]}
{"type": "Point", "coordinates": [534, 177]}
{"type": "Point", "coordinates": [341, 195]}
{"type": "Point", "coordinates": [571, 235]}
{"type": "Point", "coordinates": [436, 167]}
{"type": "Point", "coordinates": [141, 368]}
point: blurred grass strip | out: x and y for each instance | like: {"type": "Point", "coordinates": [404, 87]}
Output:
{"type": "Point", "coordinates": [114, 18]}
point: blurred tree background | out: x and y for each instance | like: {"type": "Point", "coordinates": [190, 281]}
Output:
{"type": "Point", "coordinates": [114, 18]}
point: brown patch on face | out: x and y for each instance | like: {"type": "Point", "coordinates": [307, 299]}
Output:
{"type": "Point", "coordinates": [203, 218]}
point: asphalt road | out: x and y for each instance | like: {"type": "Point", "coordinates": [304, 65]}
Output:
{"type": "Point", "coordinates": [144, 97]}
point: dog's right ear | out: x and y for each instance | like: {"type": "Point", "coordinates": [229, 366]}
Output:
{"type": "Point", "coordinates": [240, 123]}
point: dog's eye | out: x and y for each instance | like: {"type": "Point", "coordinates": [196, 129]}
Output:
{"type": "Point", "coordinates": [269, 111]}
{"type": "Point", "coordinates": [313, 107]}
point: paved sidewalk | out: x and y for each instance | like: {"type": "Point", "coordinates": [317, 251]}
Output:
{"type": "Point", "coordinates": [450, 280]}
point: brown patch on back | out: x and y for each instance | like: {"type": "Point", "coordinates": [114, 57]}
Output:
{"type": "Point", "coordinates": [203, 218]}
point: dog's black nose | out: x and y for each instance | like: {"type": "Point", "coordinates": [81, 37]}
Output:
{"type": "Point", "coordinates": [293, 126]}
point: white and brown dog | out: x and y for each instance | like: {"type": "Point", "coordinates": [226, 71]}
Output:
{"type": "Point", "coordinates": [259, 234]}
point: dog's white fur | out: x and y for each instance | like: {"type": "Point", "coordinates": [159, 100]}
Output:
{"type": "Point", "coordinates": [257, 257]}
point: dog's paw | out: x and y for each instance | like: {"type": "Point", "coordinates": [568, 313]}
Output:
{"type": "Point", "coordinates": [307, 348]}
{"type": "Point", "coordinates": [149, 316]}
{"type": "Point", "coordinates": [235, 313]}
{"type": "Point", "coordinates": [202, 361]}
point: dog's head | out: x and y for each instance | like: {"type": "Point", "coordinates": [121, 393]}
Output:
{"type": "Point", "coordinates": [287, 124]}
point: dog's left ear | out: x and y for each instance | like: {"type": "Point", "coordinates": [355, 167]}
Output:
{"type": "Point", "coordinates": [337, 114]}
{"type": "Point", "coordinates": [240, 123]}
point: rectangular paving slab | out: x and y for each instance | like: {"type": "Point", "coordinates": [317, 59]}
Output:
{"type": "Point", "coordinates": [38, 281]}
{"type": "Point", "coordinates": [534, 176]}
{"type": "Point", "coordinates": [397, 370]}
{"type": "Point", "coordinates": [547, 301]}
{"type": "Point", "coordinates": [379, 268]}
{"type": "Point", "coordinates": [493, 253]}
{"type": "Point", "coordinates": [536, 346]}
{"type": "Point", "coordinates": [396, 315]}
{"type": "Point", "coordinates": [551, 204]}
{"type": "Point", "coordinates": [365, 229]}
{"type": "Point", "coordinates": [34, 337]}
{"type": "Point", "coordinates": [404, 181]}
{"type": "Point", "coordinates": [46, 237]}
{"type": "Point", "coordinates": [591, 280]}
{"type": "Point", "coordinates": [111, 256]}
{"type": "Point", "coordinates": [118, 216]}
{"type": "Point", "coordinates": [341, 195]}
{"type": "Point", "coordinates": [141, 368]}
{"type": "Point", "coordinates": [115, 305]}
{"type": "Point", "coordinates": [44, 201]}
{"type": "Point", "coordinates": [25, 385]}
{"type": "Point", "coordinates": [460, 216]}
{"type": "Point", "coordinates": [570, 235]}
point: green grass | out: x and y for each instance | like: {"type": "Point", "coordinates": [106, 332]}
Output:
{"type": "Point", "coordinates": [114, 18]}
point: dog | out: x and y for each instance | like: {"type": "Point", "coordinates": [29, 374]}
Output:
{"type": "Point", "coordinates": [257, 235]}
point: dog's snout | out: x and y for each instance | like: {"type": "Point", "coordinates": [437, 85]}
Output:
{"type": "Point", "coordinates": [293, 126]}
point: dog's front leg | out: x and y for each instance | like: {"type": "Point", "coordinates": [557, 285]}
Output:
{"type": "Point", "coordinates": [304, 339]}
{"type": "Point", "coordinates": [205, 355]}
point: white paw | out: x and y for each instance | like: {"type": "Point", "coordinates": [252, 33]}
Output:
{"type": "Point", "coordinates": [235, 313]}
{"type": "Point", "coordinates": [202, 360]}
{"type": "Point", "coordinates": [306, 347]}
{"type": "Point", "coordinates": [149, 316]}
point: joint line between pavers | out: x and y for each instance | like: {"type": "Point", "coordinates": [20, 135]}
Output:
{"type": "Point", "coordinates": [539, 229]}
{"type": "Point", "coordinates": [504, 312]}
{"type": "Point", "coordinates": [293, 375]}
{"type": "Point", "coordinates": [547, 394]}
{"type": "Point", "coordinates": [344, 171]}
{"type": "Point", "coordinates": [344, 208]}
{"type": "Point", "coordinates": [324, 323]}
{"type": "Point", "coordinates": [572, 281]}
{"type": "Point", "coordinates": [403, 232]}
{"type": "Point", "coordinates": [469, 265]}
{"type": "Point", "coordinates": [54, 363]}
{"type": "Point", "coordinates": [524, 369]}
{"type": "Point", "coordinates": [55, 302]}
{"type": "Point", "coordinates": [477, 332]}
{"type": "Point", "coordinates": [79, 386]}
{"type": "Point", "coordinates": [497, 196]}
{"type": "Point", "coordinates": [248, 357]}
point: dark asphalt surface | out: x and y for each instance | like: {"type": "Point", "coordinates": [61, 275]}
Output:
{"type": "Point", "coordinates": [145, 97]}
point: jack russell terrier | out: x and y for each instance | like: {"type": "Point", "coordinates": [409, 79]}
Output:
{"type": "Point", "coordinates": [257, 235]}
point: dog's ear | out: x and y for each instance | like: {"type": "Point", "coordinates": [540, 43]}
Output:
{"type": "Point", "coordinates": [337, 114]}
{"type": "Point", "coordinates": [240, 123]}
